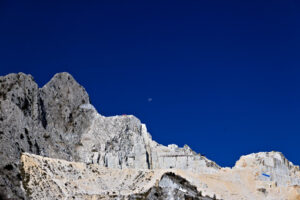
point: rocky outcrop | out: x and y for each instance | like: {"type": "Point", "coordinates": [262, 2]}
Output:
{"type": "Point", "coordinates": [171, 186]}
{"type": "Point", "coordinates": [123, 142]}
{"type": "Point", "coordinates": [271, 166]}
{"type": "Point", "coordinates": [58, 121]}
{"type": "Point", "coordinates": [21, 129]}
{"type": "Point", "coordinates": [48, 178]}
{"type": "Point", "coordinates": [37, 121]}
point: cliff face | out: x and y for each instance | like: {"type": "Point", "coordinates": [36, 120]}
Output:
{"type": "Point", "coordinates": [58, 121]}
{"type": "Point", "coordinates": [37, 121]}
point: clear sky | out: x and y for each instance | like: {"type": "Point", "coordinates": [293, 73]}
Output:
{"type": "Point", "coordinates": [220, 76]}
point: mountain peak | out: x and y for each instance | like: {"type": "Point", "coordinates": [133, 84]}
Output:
{"type": "Point", "coordinates": [57, 121]}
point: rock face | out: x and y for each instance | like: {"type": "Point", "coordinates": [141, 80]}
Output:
{"type": "Point", "coordinates": [272, 166]}
{"type": "Point", "coordinates": [60, 179]}
{"type": "Point", "coordinates": [48, 178]}
{"type": "Point", "coordinates": [37, 121]}
{"type": "Point", "coordinates": [58, 121]}
{"type": "Point", "coordinates": [123, 142]}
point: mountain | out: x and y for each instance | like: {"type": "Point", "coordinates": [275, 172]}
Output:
{"type": "Point", "coordinates": [55, 145]}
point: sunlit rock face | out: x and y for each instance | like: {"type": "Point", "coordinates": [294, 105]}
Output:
{"type": "Point", "coordinates": [271, 166]}
{"type": "Point", "coordinates": [59, 179]}
{"type": "Point", "coordinates": [58, 121]}
{"type": "Point", "coordinates": [123, 142]}
{"type": "Point", "coordinates": [48, 178]}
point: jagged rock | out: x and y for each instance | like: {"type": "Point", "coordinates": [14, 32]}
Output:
{"type": "Point", "coordinates": [64, 121]}
{"type": "Point", "coordinates": [58, 121]}
{"type": "Point", "coordinates": [171, 186]}
{"type": "Point", "coordinates": [123, 142]}
{"type": "Point", "coordinates": [37, 121]}
{"type": "Point", "coordinates": [20, 128]}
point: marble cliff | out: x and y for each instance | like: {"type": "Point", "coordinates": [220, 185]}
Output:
{"type": "Point", "coordinates": [55, 145]}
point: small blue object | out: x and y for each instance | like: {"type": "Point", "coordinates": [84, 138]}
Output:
{"type": "Point", "coordinates": [266, 175]}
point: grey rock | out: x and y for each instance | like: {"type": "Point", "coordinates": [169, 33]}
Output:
{"type": "Point", "coordinates": [58, 121]}
{"type": "Point", "coordinates": [20, 128]}
{"type": "Point", "coordinates": [38, 121]}
{"type": "Point", "coordinates": [171, 186]}
{"type": "Point", "coordinates": [64, 123]}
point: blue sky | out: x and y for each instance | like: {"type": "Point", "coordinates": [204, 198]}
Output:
{"type": "Point", "coordinates": [223, 76]}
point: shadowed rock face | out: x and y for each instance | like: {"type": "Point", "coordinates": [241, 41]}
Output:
{"type": "Point", "coordinates": [37, 121]}
{"type": "Point", "coordinates": [58, 121]}
{"type": "Point", "coordinates": [20, 128]}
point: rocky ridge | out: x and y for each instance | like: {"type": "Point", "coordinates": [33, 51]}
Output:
{"type": "Point", "coordinates": [58, 121]}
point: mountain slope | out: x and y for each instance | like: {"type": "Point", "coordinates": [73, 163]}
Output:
{"type": "Point", "coordinates": [48, 178]}
{"type": "Point", "coordinates": [58, 121]}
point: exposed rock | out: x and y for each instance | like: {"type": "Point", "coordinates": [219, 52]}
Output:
{"type": "Point", "coordinates": [58, 121]}
{"type": "Point", "coordinates": [123, 142]}
{"type": "Point", "coordinates": [171, 186]}
{"type": "Point", "coordinates": [60, 179]}
{"type": "Point", "coordinates": [61, 99]}
{"type": "Point", "coordinates": [37, 121]}
{"type": "Point", "coordinates": [20, 128]}
{"type": "Point", "coordinates": [271, 166]}
{"type": "Point", "coordinates": [48, 178]}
